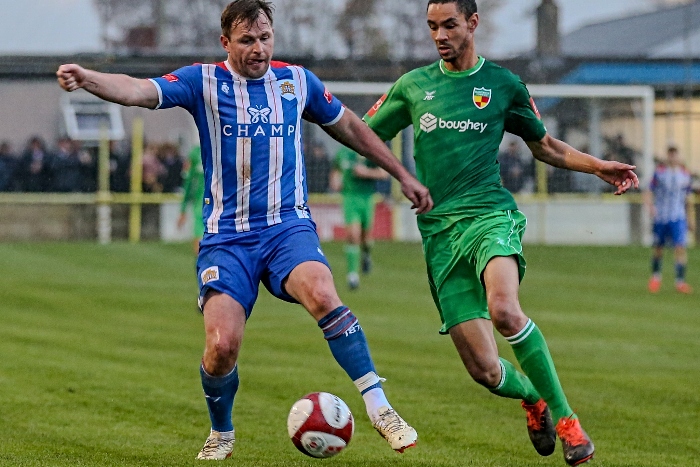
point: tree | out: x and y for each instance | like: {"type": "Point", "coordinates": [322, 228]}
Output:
{"type": "Point", "coordinates": [173, 25]}
{"type": "Point", "coordinates": [385, 29]}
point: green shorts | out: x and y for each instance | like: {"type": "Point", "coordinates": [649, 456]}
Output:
{"type": "Point", "coordinates": [359, 209]}
{"type": "Point", "coordinates": [457, 257]}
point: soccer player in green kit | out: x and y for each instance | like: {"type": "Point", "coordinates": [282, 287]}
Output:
{"type": "Point", "coordinates": [356, 178]}
{"type": "Point", "coordinates": [193, 193]}
{"type": "Point", "coordinates": [460, 107]}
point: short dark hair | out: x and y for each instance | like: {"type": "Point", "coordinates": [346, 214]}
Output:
{"type": "Point", "coordinates": [466, 7]}
{"type": "Point", "coordinates": [243, 10]}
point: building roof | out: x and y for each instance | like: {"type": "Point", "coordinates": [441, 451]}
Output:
{"type": "Point", "coordinates": [665, 33]}
{"type": "Point", "coordinates": [652, 72]}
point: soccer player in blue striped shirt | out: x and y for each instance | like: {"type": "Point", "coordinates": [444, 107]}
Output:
{"type": "Point", "coordinates": [248, 110]}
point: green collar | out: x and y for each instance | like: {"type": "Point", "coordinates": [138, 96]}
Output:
{"type": "Point", "coordinates": [456, 74]}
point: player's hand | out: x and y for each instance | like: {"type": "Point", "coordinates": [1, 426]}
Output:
{"type": "Point", "coordinates": [417, 194]}
{"type": "Point", "coordinates": [71, 76]}
{"type": "Point", "coordinates": [619, 174]}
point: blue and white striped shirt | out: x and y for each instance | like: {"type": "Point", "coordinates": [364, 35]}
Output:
{"type": "Point", "coordinates": [671, 187]}
{"type": "Point", "coordinates": [251, 140]}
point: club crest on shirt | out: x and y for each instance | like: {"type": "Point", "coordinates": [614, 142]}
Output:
{"type": "Point", "coordinates": [481, 97]}
{"type": "Point", "coordinates": [224, 88]}
{"type": "Point", "coordinates": [287, 90]}
{"type": "Point", "coordinates": [210, 274]}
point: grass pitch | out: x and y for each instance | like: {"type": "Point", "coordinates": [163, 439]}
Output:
{"type": "Point", "coordinates": [100, 347]}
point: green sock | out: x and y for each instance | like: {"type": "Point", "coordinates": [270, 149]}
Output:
{"type": "Point", "coordinates": [352, 254]}
{"type": "Point", "coordinates": [533, 355]}
{"type": "Point", "coordinates": [515, 385]}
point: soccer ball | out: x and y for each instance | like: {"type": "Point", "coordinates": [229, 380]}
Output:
{"type": "Point", "coordinates": [320, 424]}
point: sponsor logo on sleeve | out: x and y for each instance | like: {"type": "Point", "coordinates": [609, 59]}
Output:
{"type": "Point", "coordinates": [534, 108]}
{"type": "Point", "coordinates": [376, 106]}
{"type": "Point", "coordinates": [170, 77]}
{"type": "Point", "coordinates": [327, 94]}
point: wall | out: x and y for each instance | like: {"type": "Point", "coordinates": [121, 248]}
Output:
{"type": "Point", "coordinates": [29, 108]}
{"type": "Point", "coordinates": [594, 221]}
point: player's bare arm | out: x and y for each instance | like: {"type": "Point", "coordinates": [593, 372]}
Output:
{"type": "Point", "coordinates": [362, 171]}
{"type": "Point", "coordinates": [120, 89]}
{"type": "Point", "coordinates": [354, 133]}
{"type": "Point", "coordinates": [559, 154]}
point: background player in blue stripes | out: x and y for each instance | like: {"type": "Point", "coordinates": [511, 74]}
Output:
{"type": "Point", "coordinates": [668, 200]}
{"type": "Point", "coordinates": [248, 111]}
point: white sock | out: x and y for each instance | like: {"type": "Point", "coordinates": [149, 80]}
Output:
{"type": "Point", "coordinates": [227, 435]}
{"type": "Point", "coordinates": [375, 400]}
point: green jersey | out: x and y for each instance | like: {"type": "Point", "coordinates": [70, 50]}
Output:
{"type": "Point", "coordinates": [458, 123]}
{"type": "Point", "coordinates": [193, 188]}
{"type": "Point", "coordinates": [345, 161]}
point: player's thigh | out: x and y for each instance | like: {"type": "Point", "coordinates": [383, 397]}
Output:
{"type": "Point", "coordinates": [454, 280]}
{"type": "Point", "coordinates": [499, 234]}
{"type": "Point", "coordinates": [231, 266]}
{"type": "Point", "coordinates": [288, 246]}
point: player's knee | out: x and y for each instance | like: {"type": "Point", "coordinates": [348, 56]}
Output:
{"type": "Point", "coordinates": [506, 314]}
{"type": "Point", "coordinates": [322, 298]}
{"type": "Point", "coordinates": [220, 358]}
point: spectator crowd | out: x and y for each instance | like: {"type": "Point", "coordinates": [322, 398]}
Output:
{"type": "Point", "coordinates": [71, 167]}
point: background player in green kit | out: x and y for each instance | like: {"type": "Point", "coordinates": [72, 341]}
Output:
{"type": "Point", "coordinates": [193, 193]}
{"type": "Point", "coordinates": [356, 178]}
{"type": "Point", "coordinates": [460, 108]}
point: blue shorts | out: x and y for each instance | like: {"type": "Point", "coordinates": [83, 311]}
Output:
{"type": "Point", "coordinates": [235, 264]}
{"type": "Point", "coordinates": [676, 231]}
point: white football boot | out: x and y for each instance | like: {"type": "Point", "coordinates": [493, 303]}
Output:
{"type": "Point", "coordinates": [216, 447]}
{"type": "Point", "coordinates": [399, 434]}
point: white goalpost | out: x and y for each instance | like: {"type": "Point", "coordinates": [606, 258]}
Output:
{"type": "Point", "coordinates": [594, 114]}
{"type": "Point", "coordinates": [645, 94]}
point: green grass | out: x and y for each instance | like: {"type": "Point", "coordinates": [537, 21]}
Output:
{"type": "Point", "coordinates": [100, 347]}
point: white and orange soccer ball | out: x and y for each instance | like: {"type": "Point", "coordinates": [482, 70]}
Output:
{"type": "Point", "coordinates": [320, 424]}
